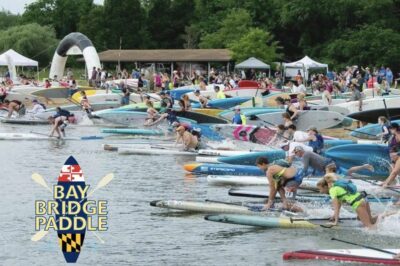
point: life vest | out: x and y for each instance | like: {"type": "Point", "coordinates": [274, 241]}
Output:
{"type": "Point", "coordinates": [221, 95]}
{"type": "Point", "coordinates": [317, 144]}
{"type": "Point", "coordinates": [346, 185]}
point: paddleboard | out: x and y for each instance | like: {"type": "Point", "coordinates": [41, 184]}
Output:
{"type": "Point", "coordinates": [34, 136]}
{"type": "Point", "coordinates": [205, 207]}
{"type": "Point", "coordinates": [201, 118]}
{"type": "Point", "coordinates": [224, 103]}
{"type": "Point", "coordinates": [274, 222]}
{"type": "Point", "coordinates": [132, 131]}
{"type": "Point", "coordinates": [264, 194]}
{"type": "Point", "coordinates": [22, 121]}
{"type": "Point", "coordinates": [318, 119]}
{"type": "Point", "coordinates": [57, 92]}
{"type": "Point", "coordinates": [269, 100]}
{"type": "Point", "coordinates": [222, 169]}
{"type": "Point", "coordinates": [71, 240]}
{"type": "Point", "coordinates": [155, 151]}
{"type": "Point", "coordinates": [250, 158]}
{"type": "Point", "coordinates": [255, 134]}
{"type": "Point", "coordinates": [364, 256]}
{"type": "Point", "coordinates": [347, 156]}
{"type": "Point", "coordinates": [95, 106]}
{"type": "Point", "coordinates": [369, 131]}
{"type": "Point", "coordinates": [371, 116]}
{"type": "Point", "coordinates": [371, 104]}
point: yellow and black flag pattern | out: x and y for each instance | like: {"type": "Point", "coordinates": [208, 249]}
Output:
{"type": "Point", "coordinates": [71, 242]}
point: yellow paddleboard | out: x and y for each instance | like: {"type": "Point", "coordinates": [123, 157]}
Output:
{"type": "Point", "coordinates": [210, 112]}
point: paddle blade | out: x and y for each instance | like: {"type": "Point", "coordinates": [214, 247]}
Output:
{"type": "Point", "coordinates": [39, 235]}
{"type": "Point", "coordinates": [40, 180]}
{"type": "Point", "coordinates": [103, 182]}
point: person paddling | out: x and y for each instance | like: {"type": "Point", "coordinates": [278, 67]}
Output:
{"type": "Point", "coordinates": [345, 192]}
{"type": "Point", "coordinates": [281, 179]}
{"type": "Point", "coordinates": [60, 121]}
{"type": "Point", "coordinates": [16, 106]}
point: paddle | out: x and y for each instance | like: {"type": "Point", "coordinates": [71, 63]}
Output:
{"type": "Point", "coordinates": [255, 117]}
{"type": "Point", "coordinates": [40, 180]}
{"type": "Point", "coordinates": [376, 184]}
{"type": "Point", "coordinates": [364, 246]}
{"type": "Point", "coordinates": [352, 130]}
{"type": "Point", "coordinates": [320, 219]}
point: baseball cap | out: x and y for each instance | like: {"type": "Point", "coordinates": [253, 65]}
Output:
{"type": "Point", "coordinates": [313, 128]}
{"type": "Point", "coordinates": [298, 148]}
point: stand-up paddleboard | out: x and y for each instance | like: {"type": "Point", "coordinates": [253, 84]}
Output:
{"type": "Point", "coordinates": [318, 119]}
{"type": "Point", "coordinates": [138, 107]}
{"type": "Point", "coordinates": [364, 256]}
{"type": "Point", "coordinates": [264, 194]}
{"type": "Point", "coordinates": [206, 207]}
{"type": "Point", "coordinates": [206, 111]}
{"type": "Point", "coordinates": [95, 106]}
{"type": "Point", "coordinates": [24, 121]}
{"type": "Point", "coordinates": [34, 136]}
{"type": "Point", "coordinates": [155, 151]}
{"type": "Point", "coordinates": [371, 116]}
{"type": "Point", "coordinates": [249, 112]}
{"type": "Point", "coordinates": [369, 131]}
{"type": "Point", "coordinates": [132, 131]}
{"type": "Point", "coordinates": [224, 103]}
{"type": "Point", "coordinates": [79, 115]}
{"type": "Point", "coordinates": [201, 118]}
{"type": "Point", "coordinates": [269, 100]}
{"type": "Point", "coordinates": [260, 135]}
{"type": "Point", "coordinates": [58, 92]}
{"type": "Point", "coordinates": [371, 104]}
{"type": "Point", "coordinates": [123, 117]}
{"type": "Point", "coordinates": [223, 153]}
{"type": "Point", "coordinates": [71, 240]}
{"type": "Point", "coordinates": [275, 222]}
{"type": "Point", "coordinates": [222, 169]}
{"type": "Point", "coordinates": [250, 158]}
{"type": "Point", "coordinates": [347, 156]}
{"type": "Point", "coordinates": [116, 146]}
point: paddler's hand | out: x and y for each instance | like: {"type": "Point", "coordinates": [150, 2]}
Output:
{"type": "Point", "coordinates": [332, 223]}
{"type": "Point", "coordinates": [267, 206]}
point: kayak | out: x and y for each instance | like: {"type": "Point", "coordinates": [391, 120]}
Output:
{"type": "Point", "coordinates": [132, 131]}
{"type": "Point", "coordinates": [207, 207]}
{"type": "Point", "coordinates": [367, 256]}
{"type": "Point", "coordinates": [277, 222]}
{"type": "Point", "coordinates": [264, 194]}
{"type": "Point", "coordinates": [155, 151]}
{"type": "Point", "coordinates": [222, 169]}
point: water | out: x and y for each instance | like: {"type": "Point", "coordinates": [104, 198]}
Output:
{"type": "Point", "coordinates": [139, 234]}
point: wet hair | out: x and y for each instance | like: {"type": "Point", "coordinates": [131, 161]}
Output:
{"type": "Point", "coordinates": [322, 183]}
{"type": "Point", "coordinates": [281, 127]}
{"type": "Point", "coordinates": [331, 168]}
{"type": "Point", "coordinates": [383, 119]}
{"type": "Point", "coordinates": [262, 160]}
{"type": "Point", "coordinates": [292, 127]}
{"type": "Point", "coordinates": [330, 178]}
{"type": "Point", "coordinates": [286, 115]}
{"type": "Point", "coordinates": [280, 100]}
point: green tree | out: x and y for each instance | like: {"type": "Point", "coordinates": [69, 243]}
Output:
{"type": "Point", "coordinates": [236, 23]}
{"type": "Point", "coordinates": [7, 19]}
{"type": "Point", "coordinates": [368, 46]}
{"type": "Point", "coordinates": [256, 43]}
{"type": "Point", "coordinates": [63, 15]}
{"type": "Point", "coordinates": [92, 25]}
{"type": "Point", "coordinates": [32, 40]}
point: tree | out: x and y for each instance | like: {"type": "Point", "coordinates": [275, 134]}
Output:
{"type": "Point", "coordinates": [63, 15]}
{"type": "Point", "coordinates": [371, 45]}
{"type": "Point", "coordinates": [92, 25]}
{"type": "Point", "coordinates": [236, 23]}
{"type": "Point", "coordinates": [7, 19]}
{"type": "Point", "coordinates": [256, 43]}
{"type": "Point", "coordinates": [32, 40]}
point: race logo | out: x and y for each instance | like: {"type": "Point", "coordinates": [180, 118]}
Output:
{"type": "Point", "coordinates": [71, 213]}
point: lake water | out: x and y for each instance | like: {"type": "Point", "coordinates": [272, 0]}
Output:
{"type": "Point", "coordinates": [139, 234]}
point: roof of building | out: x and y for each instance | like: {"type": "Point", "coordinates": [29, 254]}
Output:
{"type": "Point", "coordinates": [166, 55]}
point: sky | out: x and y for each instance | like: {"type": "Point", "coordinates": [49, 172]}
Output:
{"type": "Point", "coordinates": [17, 6]}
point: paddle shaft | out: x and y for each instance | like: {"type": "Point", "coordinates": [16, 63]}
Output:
{"type": "Point", "coordinates": [320, 219]}
{"type": "Point", "coordinates": [364, 246]}
{"type": "Point", "coordinates": [373, 183]}
{"type": "Point", "coordinates": [271, 125]}
{"type": "Point", "coordinates": [352, 130]}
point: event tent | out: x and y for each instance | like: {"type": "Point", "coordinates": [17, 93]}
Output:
{"type": "Point", "coordinates": [304, 65]}
{"type": "Point", "coordinates": [11, 59]}
{"type": "Point", "coordinates": [253, 63]}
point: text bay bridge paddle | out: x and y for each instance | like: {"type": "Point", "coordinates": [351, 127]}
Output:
{"type": "Point", "coordinates": [40, 180]}
{"type": "Point", "coordinates": [364, 246]}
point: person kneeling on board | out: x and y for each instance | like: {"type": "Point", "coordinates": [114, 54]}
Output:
{"type": "Point", "coordinates": [202, 100]}
{"type": "Point", "coordinates": [16, 106]}
{"type": "Point", "coordinates": [238, 118]}
{"type": "Point", "coordinates": [313, 160]}
{"type": "Point", "coordinates": [281, 179]}
{"type": "Point", "coordinates": [344, 191]}
{"type": "Point", "coordinates": [190, 141]}
{"type": "Point", "coordinates": [37, 108]}
{"type": "Point", "coordinates": [60, 120]}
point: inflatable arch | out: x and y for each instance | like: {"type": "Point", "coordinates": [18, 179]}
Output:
{"type": "Point", "coordinates": [74, 43]}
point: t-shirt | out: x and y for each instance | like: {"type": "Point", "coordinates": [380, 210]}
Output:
{"type": "Point", "coordinates": [316, 161]}
{"type": "Point", "coordinates": [292, 145]}
{"type": "Point", "coordinates": [300, 136]}
{"type": "Point", "coordinates": [342, 195]}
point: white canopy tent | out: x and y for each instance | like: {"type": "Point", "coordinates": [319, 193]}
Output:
{"type": "Point", "coordinates": [12, 59]}
{"type": "Point", "coordinates": [253, 63]}
{"type": "Point", "coordinates": [303, 65]}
